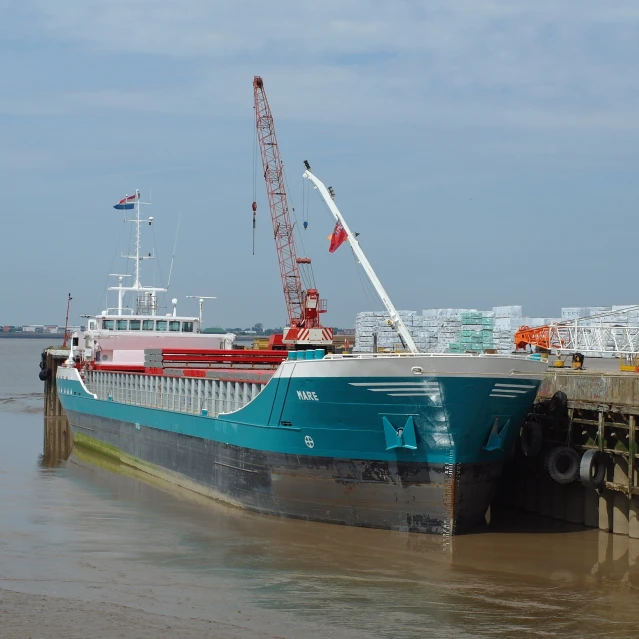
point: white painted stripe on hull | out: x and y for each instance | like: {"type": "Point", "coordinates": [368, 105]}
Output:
{"type": "Point", "coordinates": [515, 385]}
{"type": "Point", "coordinates": [395, 388]}
{"type": "Point", "coordinates": [414, 394]}
{"type": "Point", "coordinates": [394, 384]}
{"type": "Point", "coordinates": [508, 391]}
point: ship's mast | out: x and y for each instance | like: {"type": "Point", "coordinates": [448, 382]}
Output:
{"type": "Point", "coordinates": [395, 319]}
{"type": "Point", "coordinates": [138, 243]}
{"type": "Point", "coordinates": [146, 296]}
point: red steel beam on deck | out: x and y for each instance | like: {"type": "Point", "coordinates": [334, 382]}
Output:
{"type": "Point", "coordinates": [222, 353]}
{"type": "Point", "coordinates": [222, 356]}
{"type": "Point", "coordinates": [168, 359]}
{"type": "Point", "coordinates": [118, 368]}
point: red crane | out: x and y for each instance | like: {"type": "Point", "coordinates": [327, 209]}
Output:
{"type": "Point", "coordinates": [303, 306]}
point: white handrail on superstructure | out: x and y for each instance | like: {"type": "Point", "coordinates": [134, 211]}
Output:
{"type": "Point", "coordinates": [395, 319]}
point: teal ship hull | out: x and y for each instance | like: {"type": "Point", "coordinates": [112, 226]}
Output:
{"type": "Point", "coordinates": [411, 443]}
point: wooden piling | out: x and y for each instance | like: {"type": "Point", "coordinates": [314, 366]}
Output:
{"type": "Point", "coordinates": [621, 500]}
{"type": "Point", "coordinates": [58, 439]}
{"type": "Point", "coordinates": [591, 509]}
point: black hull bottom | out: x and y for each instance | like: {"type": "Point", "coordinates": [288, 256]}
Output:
{"type": "Point", "coordinates": [403, 496]}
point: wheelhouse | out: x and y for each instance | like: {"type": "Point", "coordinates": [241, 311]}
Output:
{"type": "Point", "coordinates": [143, 324]}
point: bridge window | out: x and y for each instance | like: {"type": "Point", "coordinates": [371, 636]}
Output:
{"type": "Point", "coordinates": [108, 324]}
{"type": "Point", "coordinates": [174, 326]}
{"type": "Point", "coordinates": [187, 327]}
{"type": "Point", "coordinates": [134, 325]}
{"type": "Point", "coordinates": [147, 325]}
{"type": "Point", "coordinates": [160, 325]}
{"type": "Point", "coordinates": [120, 325]}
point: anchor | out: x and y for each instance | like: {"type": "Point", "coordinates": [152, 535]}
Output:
{"type": "Point", "coordinates": [497, 435]}
{"type": "Point", "coordinates": [403, 437]}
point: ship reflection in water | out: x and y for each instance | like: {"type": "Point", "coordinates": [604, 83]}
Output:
{"type": "Point", "coordinates": [88, 529]}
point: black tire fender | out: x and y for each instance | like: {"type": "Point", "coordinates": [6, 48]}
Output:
{"type": "Point", "coordinates": [44, 374]}
{"type": "Point", "coordinates": [558, 406]}
{"type": "Point", "coordinates": [562, 464]}
{"type": "Point", "coordinates": [592, 469]}
{"type": "Point", "coordinates": [531, 439]}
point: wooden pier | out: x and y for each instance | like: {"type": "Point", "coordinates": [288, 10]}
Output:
{"type": "Point", "coordinates": [58, 438]}
{"type": "Point", "coordinates": [602, 414]}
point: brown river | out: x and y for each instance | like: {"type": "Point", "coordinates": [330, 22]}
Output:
{"type": "Point", "coordinates": [92, 550]}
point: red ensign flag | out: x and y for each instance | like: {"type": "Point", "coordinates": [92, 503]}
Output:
{"type": "Point", "coordinates": [337, 237]}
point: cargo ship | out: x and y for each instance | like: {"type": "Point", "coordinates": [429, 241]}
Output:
{"type": "Point", "coordinates": [402, 441]}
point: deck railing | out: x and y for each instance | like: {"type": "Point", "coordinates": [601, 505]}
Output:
{"type": "Point", "coordinates": [194, 396]}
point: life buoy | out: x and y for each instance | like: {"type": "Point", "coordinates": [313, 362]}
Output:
{"type": "Point", "coordinates": [592, 469]}
{"type": "Point", "coordinates": [531, 439]}
{"type": "Point", "coordinates": [44, 374]}
{"type": "Point", "coordinates": [562, 464]}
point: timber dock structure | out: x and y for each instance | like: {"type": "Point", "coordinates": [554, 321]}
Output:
{"type": "Point", "coordinates": [601, 414]}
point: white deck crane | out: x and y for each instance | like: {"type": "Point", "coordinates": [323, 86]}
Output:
{"type": "Point", "coordinates": [395, 320]}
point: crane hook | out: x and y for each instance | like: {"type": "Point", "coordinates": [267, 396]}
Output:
{"type": "Point", "coordinates": [254, 207]}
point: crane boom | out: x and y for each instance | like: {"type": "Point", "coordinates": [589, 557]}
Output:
{"type": "Point", "coordinates": [303, 306]}
{"type": "Point", "coordinates": [395, 319]}
{"type": "Point", "coordinates": [593, 334]}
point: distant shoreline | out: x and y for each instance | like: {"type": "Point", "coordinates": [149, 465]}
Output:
{"type": "Point", "coordinates": [49, 336]}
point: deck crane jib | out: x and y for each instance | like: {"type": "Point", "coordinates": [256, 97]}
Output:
{"type": "Point", "coordinates": [394, 318]}
{"type": "Point", "coordinates": [303, 303]}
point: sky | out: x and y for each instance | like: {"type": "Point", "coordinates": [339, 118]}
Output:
{"type": "Point", "coordinates": [485, 150]}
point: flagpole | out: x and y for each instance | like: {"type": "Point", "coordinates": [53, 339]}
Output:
{"type": "Point", "coordinates": [137, 241]}
{"type": "Point", "coordinates": [395, 319]}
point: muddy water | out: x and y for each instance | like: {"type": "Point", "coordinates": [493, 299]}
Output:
{"type": "Point", "coordinates": [102, 552]}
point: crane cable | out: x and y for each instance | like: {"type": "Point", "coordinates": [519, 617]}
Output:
{"type": "Point", "coordinates": [254, 205]}
{"type": "Point", "coordinates": [308, 277]}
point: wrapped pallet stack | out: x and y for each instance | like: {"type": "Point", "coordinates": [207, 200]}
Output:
{"type": "Point", "coordinates": [445, 330]}
{"type": "Point", "coordinates": [508, 319]}
{"type": "Point", "coordinates": [372, 330]}
{"type": "Point", "coordinates": [443, 326]}
{"type": "Point", "coordinates": [468, 330]}
{"type": "Point", "coordinates": [476, 334]}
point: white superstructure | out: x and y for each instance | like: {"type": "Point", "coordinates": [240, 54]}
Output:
{"type": "Point", "coordinates": [120, 334]}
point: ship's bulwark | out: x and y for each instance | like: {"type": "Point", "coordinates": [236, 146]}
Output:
{"type": "Point", "coordinates": [405, 496]}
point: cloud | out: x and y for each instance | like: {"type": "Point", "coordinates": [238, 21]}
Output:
{"type": "Point", "coordinates": [486, 63]}
{"type": "Point", "coordinates": [407, 107]}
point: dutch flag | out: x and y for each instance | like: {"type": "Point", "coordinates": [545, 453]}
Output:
{"type": "Point", "coordinates": [127, 202]}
